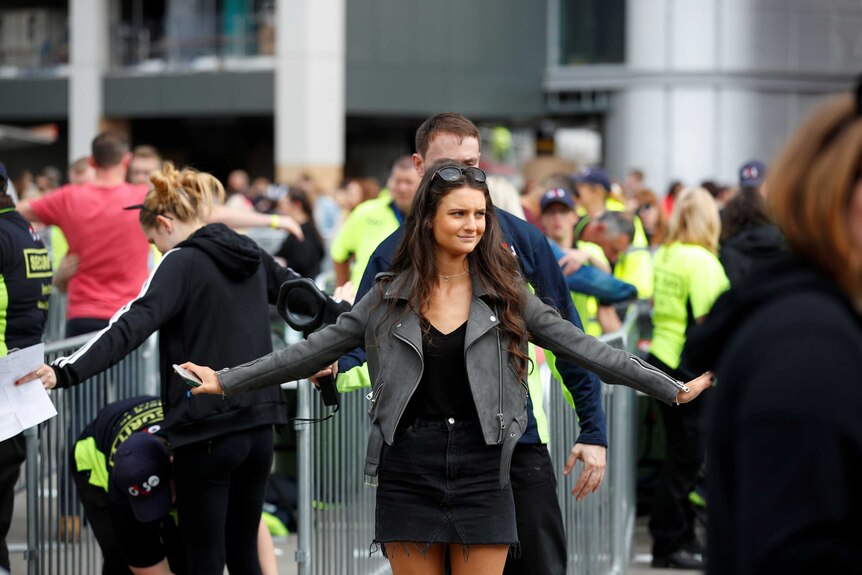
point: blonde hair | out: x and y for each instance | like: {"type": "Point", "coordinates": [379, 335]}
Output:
{"type": "Point", "coordinates": [811, 184]}
{"type": "Point", "coordinates": [695, 220]}
{"type": "Point", "coordinates": [504, 195]}
{"type": "Point", "coordinates": [187, 194]}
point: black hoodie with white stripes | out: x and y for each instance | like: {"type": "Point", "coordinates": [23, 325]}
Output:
{"type": "Point", "coordinates": [208, 297]}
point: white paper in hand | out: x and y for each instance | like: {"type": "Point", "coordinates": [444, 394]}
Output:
{"type": "Point", "coordinates": [22, 406]}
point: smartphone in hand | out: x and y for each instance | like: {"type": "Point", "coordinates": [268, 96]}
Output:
{"type": "Point", "coordinates": [191, 379]}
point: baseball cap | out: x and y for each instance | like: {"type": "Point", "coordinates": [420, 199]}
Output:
{"type": "Point", "coordinates": [556, 196]}
{"type": "Point", "coordinates": [142, 472]}
{"type": "Point", "coordinates": [593, 176]}
{"type": "Point", "coordinates": [751, 174]}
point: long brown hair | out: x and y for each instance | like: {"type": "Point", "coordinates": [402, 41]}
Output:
{"type": "Point", "coordinates": [810, 186]}
{"type": "Point", "coordinates": [492, 264]}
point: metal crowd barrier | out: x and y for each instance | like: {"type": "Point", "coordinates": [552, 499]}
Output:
{"type": "Point", "coordinates": [600, 529]}
{"type": "Point", "coordinates": [58, 539]}
{"type": "Point", "coordinates": [336, 511]}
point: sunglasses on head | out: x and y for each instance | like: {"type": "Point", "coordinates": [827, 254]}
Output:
{"type": "Point", "coordinates": [454, 173]}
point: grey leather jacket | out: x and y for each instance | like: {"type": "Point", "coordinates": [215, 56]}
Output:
{"type": "Point", "coordinates": [392, 335]}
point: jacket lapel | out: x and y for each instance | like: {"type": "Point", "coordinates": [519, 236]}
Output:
{"type": "Point", "coordinates": [482, 317]}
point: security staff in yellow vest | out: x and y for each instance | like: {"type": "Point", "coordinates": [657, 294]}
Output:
{"type": "Point", "coordinates": [558, 219]}
{"type": "Point", "coordinates": [122, 470]}
{"type": "Point", "coordinates": [634, 265]}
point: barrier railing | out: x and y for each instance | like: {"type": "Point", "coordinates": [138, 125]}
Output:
{"type": "Point", "coordinates": [600, 528]}
{"type": "Point", "coordinates": [58, 539]}
{"type": "Point", "coordinates": [336, 511]}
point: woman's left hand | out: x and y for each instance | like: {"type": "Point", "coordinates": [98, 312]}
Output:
{"type": "Point", "coordinates": [45, 373]}
{"type": "Point", "coordinates": [211, 384]}
{"type": "Point", "coordinates": [695, 386]}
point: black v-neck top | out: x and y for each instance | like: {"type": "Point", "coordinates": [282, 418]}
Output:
{"type": "Point", "coordinates": [444, 390]}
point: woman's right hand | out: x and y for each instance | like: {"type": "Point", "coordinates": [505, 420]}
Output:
{"type": "Point", "coordinates": [695, 386]}
{"type": "Point", "coordinates": [211, 384]}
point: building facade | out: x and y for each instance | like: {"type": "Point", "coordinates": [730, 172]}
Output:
{"type": "Point", "coordinates": [686, 89]}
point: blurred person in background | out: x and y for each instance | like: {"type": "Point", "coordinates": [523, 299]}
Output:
{"type": "Point", "coordinates": [558, 220]}
{"type": "Point", "coordinates": [258, 194]}
{"type": "Point", "coordinates": [372, 222]}
{"type": "Point", "coordinates": [145, 161]}
{"type": "Point", "coordinates": [652, 216]}
{"type": "Point", "coordinates": [785, 441]}
{"type": "Point", "coordinates": [81, 171]}
{"type": "Point", "coordinates": [633, 183]}
{"type": "Point", "coordinates": [237, 191]}
{"type": "Point", "coordinates": [594, 197]}
{"type": "Point", "coordinates": [48, 180]}
{"type": "Point", "coordinates": [673, 189]}
{"type": "Point", "coordinates": [505, 196]}
{"type": "Point", "coordinates": [25, 282]}
{"type": "Point", "coordinates": [688, 279]}
{"type": "Point", "coordinates": [720, 193]}
{"type": "Point", "coordinates": [532, 196]}
{"type": "Point", "coordinates": [749, 239]}
{"type": "Point", "coordinates": [356, 191]}
{"type": "Point", "coordinates": [304, 256]}
{"type": "Point", "coordinates": [25, 185]}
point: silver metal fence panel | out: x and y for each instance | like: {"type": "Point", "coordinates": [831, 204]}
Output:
{"type": "Point", "coordinates": [599, 529]}
{"type": "Point", "coordinates": [340, 506]}
{"type": "Point", "coordinates": [59, 541]}
{"type": "Point", "coordinates": [55, 323]}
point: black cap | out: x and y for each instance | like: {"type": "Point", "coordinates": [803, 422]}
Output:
{"type": "Point", "coordinates": [142, 473]}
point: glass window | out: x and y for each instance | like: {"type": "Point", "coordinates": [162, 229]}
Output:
{"type": "Point", "coordinates": [592, 32]}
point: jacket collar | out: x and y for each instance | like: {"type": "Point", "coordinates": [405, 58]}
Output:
{"type": "Point", "coordinates": [481, 318]}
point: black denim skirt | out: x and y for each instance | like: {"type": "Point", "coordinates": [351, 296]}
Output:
{"type": "Point", "coordinates": [440, 483]}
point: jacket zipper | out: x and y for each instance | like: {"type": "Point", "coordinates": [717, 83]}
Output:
{"type": "Point", "coordinates": [403, 407]}
{"type": "Point", "coordinates": [678, 384]}
{"type": "Point", "coordinates": [374, 396]}
{"type": "Point", "coordinates": [500, 394]}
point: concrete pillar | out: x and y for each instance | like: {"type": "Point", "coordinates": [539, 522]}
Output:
{"type": "Point", "coordinates": [310, 90]}
{"type": "Point", "coordinates": [88, 60]}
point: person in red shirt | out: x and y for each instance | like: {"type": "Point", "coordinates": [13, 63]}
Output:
{"type": "Point", "coordinates": [112, 250]}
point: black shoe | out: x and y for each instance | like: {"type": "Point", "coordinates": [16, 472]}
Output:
{"type": "Point", "coordinates": [681, 559]}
